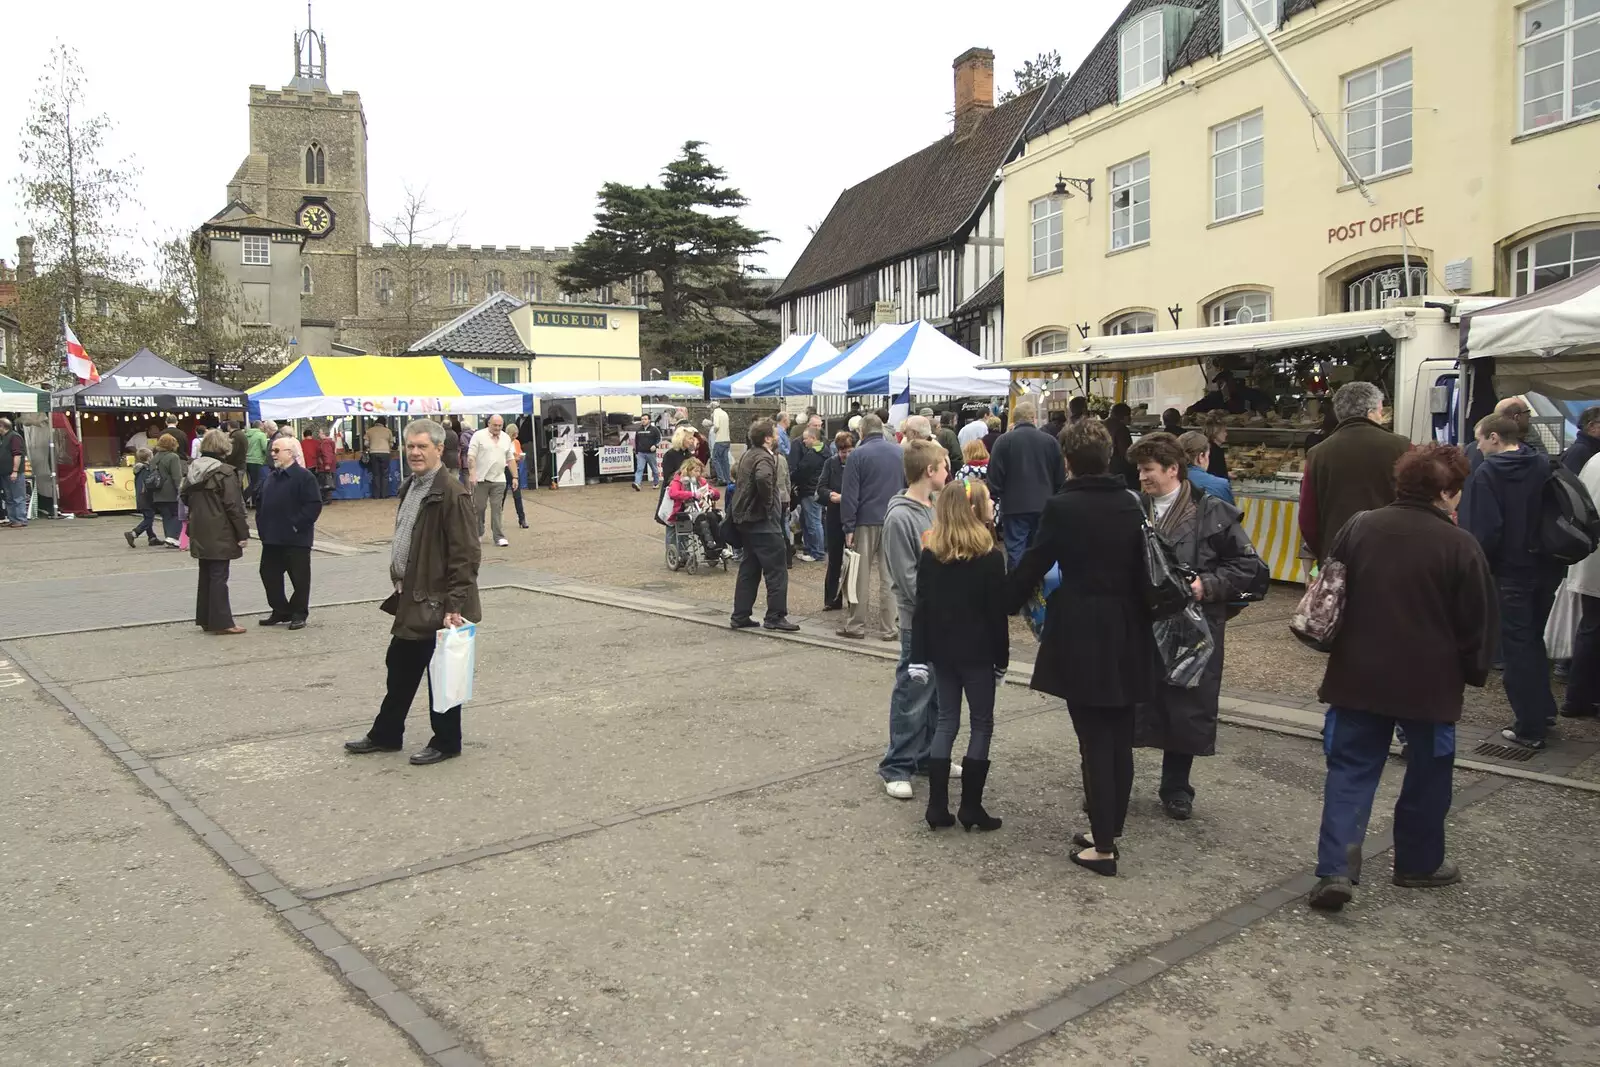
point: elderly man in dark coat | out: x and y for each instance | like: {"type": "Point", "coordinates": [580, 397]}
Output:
{"type": "Point", "coordinates": [286, 515]}
{"type": "Point", "coordinates": [1352, 471]}
{"type": "Point", "coordinates": [433, 563]}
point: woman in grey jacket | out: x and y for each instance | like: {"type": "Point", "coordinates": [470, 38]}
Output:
{"type": "Point", "coordinates": [167, 469]}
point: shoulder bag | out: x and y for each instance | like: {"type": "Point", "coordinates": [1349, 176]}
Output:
{"type": "Point", "coordinates": [1317, 618]}
{"type": "Point", "coordinates": [1166, 586]}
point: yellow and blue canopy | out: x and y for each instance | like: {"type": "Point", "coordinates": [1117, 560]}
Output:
{"type": "Point", "coordinates": [409, 386]}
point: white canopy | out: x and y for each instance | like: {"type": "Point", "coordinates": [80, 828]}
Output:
{"type": "Point", "coordinates": [768, 376]}
{"type": "Point", "coordinates": [898, 359]}
{"type": "Point", "coordinates": [597, 387]}
{"type": "Point", "coordinates": [1547, 341]}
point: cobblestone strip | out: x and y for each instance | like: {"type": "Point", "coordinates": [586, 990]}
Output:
{"type": "Point", "coordinates": [443, 1048]}
{"type": "Point", "coordinates": [1076, 1003]}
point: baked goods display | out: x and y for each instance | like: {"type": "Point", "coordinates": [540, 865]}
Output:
{"type": "Point", "coordinates": [1265, 461]}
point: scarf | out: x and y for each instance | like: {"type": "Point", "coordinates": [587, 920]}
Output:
{"type": "Point", "coordinates": [1181, 512]}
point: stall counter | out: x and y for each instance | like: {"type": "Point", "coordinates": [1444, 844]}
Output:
{"type": "Point", "coordinates": [1272, 522]}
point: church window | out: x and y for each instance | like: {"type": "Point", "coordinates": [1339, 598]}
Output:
{"type": "Point", "coordinates": [419, 286]}
{"type": "Point", "coordinates": [257, 250]}
{"type": "Point", "coordinates": [383, 282]}
{"type": "Point", "coordinates": [460, 291]}
{"type": "Point", "coordinates": [532, 287]}
{"type": "Point", "coordinates": [316, 174]}
{"type": "Point", "coordinates": [305, 277]}
{"type": "Point", "coordinates": [494, 281]}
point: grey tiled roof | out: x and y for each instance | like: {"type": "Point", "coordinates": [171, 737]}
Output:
{"type": "Point", "coordinates": [918, 203]}
{"type": "Point", "coordinates": [486, 330]}
{"type": "Point", "coordinates": [991, 294]}
{"type": "Point", "coordinates": [1095, 83]}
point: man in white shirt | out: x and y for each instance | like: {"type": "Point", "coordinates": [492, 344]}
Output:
{"type": "Point", "coordinates": [972, 431]}
{"type": "Point", "coordinates": [720, 443]}
{"type": "Point", "coordinates": [491, 460]}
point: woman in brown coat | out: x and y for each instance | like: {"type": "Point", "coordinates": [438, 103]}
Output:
{"type": "Point", "coordinates": [217, 530]}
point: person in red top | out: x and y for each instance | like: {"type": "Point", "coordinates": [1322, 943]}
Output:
{"type": "Point", "coordinates": [320, 459]}
{"type": "Point", "coordinates": [690, 491]}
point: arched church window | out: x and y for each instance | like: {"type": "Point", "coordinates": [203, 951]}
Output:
{"type": "Point", "coordinates": [494, 281]}
{"type": "Point", "coordinates": [532, 287]}
{"type": "Point", "coordinates": [316, 172]}
{"type": "Point", "coordinates": [383, 282]}
{"type": "Point", "coordinates": [305, 277]}
{"type": "Point", "coordinates": [460, 293]}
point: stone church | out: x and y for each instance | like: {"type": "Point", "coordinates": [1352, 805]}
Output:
{"type": "Point", "coordinates": [295, 235]}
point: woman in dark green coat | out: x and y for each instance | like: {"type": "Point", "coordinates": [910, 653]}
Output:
{"type": "Point", "coordinates": [217, 531]}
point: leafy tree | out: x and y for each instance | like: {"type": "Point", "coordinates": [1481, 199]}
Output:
{"type": "Point", "coordinates": [684, 248]}
{"type": "Point", "coordinates": [71, 197]}
{"type": "Point", "coordinates": [1033, 73]}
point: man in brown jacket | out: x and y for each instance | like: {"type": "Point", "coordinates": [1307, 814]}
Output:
{"type": "Point", "coordinates": [1352, 471]}
{"type": "Point", "coordinates": [433, 563]}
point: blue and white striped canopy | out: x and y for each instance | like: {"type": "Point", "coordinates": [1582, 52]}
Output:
{"type": "Point", "coordinates": [901, 358]}
{"type": "Point", "coordinates": [767, 377]}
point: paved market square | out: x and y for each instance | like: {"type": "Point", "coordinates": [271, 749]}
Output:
{"type": "Point", "coordinates": [665, 844]}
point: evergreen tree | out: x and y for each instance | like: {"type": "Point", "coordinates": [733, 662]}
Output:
{"type": "Point", "coordinates": [682, 247]}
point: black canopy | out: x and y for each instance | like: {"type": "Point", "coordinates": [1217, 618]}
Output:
{"type": "Point", "coordinates": [145, 381]}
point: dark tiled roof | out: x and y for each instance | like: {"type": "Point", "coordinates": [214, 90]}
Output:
{"type": "Point", "coordinates": [920, 202]}
{"type": "Point", "coordinates": [486, 330]}
{"type": "Point", "coordinates": [1095, 83]}
{"type": "Point", "coordinates": [241, 216]}
{"type": "Point", "coordinates": [992, 294]}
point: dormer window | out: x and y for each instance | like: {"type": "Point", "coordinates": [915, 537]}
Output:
{"type": "Point", "coordinates": [1236, 28]}
{"type": "Point", "coordinates": [1143, 54]}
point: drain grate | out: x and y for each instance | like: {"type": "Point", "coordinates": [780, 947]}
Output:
{"type": "Point", "coordinates": [1516, 753]}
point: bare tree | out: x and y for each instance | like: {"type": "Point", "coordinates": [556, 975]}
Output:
{"type": "Point", "coordinates": [71, 198]}
{"type": "Point", "coordinates": [421, 234]}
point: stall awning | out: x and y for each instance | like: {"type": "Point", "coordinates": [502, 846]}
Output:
{"type": "Point", "coordinates": [903, 358]}
{"type": "Point", "coordinates": [1133, 351]}
{"type": "Point", "coordinates": [672, 390]}
{"type": "Point", "coordinates": [146, 382]}
{"type": "Point", "coordinates": [1546, 342]}
{"type": "Point", "coordinates": [410, 386]}
{"type": "Point", "coordinates": [767, 376]}
{"type": "Point", "coordinates": [21, 398]}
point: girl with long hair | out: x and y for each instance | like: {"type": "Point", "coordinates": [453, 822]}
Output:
{"type": "Point", "coordinates": [959, 635]}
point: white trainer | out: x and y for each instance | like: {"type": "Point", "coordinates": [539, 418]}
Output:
{"type": "Point", "coordinates": [955, 769]}
{"type": "Point", "coordinates": [898, 790]}
{"type": "Point", "coordinates": [502, 542]}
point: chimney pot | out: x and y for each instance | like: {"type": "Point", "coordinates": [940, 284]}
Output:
{"type": "Point", "coordinates": [974, 70]}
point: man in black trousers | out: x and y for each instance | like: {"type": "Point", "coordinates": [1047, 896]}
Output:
{"type": "Point", "coordinates": [433, 565]}
{"type": "Point", "coordinates": [286, 517]}
{"type": "Point", "coordinates": [757, 511]}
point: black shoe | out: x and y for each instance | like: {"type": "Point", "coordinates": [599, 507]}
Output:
{"type": "Point", "coordinates": [1447, 874]}
{"type": "Point", "coordinates": [362, 746]}
{"type": "Point", "coordinates": [835, 606]}
{"type": "Point", "coordinates": [1580, 713]}
{"type": "Point", "coordinates": [432, 755]}
{"type": "Point", "coordinates": [1534, 744]}
{"type": "Point", "coordinates": [783, 625]}
{"type": "Point", "coordinates": [269, 620]}
{"type": "Point", "coordinates": [1107, 868]}
{"type": "Point", "coordinates": [1085, 841]}
{"type": "Point", "coordinates": [938, 813]}
{"type": "Point", "coordinates": [523, 525]}
{"type": "Point", "coordinates": [128, 537]}
{"type": "Point", "coordinates": [297, 624]}
{"type": "Point", "coordinates": [1178, 806]}
{"type": "Point", "coordinates": [742, 624]}
{"type": "Point", "coordinates": [974, 773]}
{"type": "Point", "coordinates": [1333, 892]}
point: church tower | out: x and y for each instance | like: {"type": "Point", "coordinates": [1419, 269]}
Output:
{"type": "Point", "coordinates": [308, 166]}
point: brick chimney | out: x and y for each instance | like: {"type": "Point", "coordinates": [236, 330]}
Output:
{"type": "Point", "coordinates": [974, 88]}
{"type": "Point", "coordinates": [25, 266]}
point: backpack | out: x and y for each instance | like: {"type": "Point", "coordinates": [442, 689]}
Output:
{"type": "Point", "coordinates": [1568, 522]}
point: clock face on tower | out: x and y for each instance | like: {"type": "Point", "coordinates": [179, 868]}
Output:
{"type": "Point", "coordinates": [316, 217]}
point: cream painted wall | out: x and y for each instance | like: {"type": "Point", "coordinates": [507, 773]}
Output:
{"type": "Point", "coordinates": [1480, 186]}
{"type": "Point", "coordinates": [618, 339]}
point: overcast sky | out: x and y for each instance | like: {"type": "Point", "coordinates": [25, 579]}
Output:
{"type": "Point", "coordinates": [513, 115]}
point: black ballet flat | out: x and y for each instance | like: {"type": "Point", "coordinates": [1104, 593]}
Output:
{"type": "Point", "coordinates": [1108, 868]}
{"type": "Point", "coordinates": [1083, 841]}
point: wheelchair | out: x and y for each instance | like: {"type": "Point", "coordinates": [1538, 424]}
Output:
{"type": "Point", "coordinates": [684, 550]}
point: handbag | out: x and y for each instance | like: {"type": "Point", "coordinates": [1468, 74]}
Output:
{"type": "Point", "coordinates": [1038, 603]}
{"type": "Point", "coordinates": [1184, 641]}
{"type": "Point", "coordinates": [451, 669]}
{"type": "Point", "coordinates": [1167, 586]}
{"type": "Point", "coordinates": [852, 570]}
{"type": "Point", "coordinates": [664, 506]}
{"type": "Point", "coordinates": [1317, 617]}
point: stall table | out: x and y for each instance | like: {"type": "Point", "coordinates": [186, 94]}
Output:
{"type": "Point", "coordinates": [1271, 509]}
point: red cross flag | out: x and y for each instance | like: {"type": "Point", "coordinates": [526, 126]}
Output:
{"type": "Point", "coordinates": [78, 361]}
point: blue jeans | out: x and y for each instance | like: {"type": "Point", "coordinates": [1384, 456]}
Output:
{"type": "Point", "coordinates": [1356, 744]}
{"type": "Point", "coordinates": [646, 461]}
{"type": "Point", "coordinates": [1524, 608]}
{"type": "Point", "coordinates": [811, 527]}
{"type": "Point", "coordinates": [913, 715]}
{"type": "Point", "coordinates": [16, 502]}
{"type": "Point", "coordinates": [719, 462]}
{"type": "Point", "coordinates": [1018, 531]}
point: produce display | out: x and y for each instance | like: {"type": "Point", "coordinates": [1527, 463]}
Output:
{"type": "Point", "coordinates": [1265, 461]}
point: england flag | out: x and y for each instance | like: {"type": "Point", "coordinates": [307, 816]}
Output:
{"type": "Point", "coordinates": [78, 361]}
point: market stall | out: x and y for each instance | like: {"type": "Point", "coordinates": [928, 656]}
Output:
{"type": "Point", "coordinates": [1546, 342]}
{"type": "Point", "coordinates": [362, 388]}
{"type": "Point", "coordinates": [765, 377]}
{"type": "Point", "coordinates": [19, 399]}
{"type": "Point", "coordinates": [901, 360]}
{"type": "Point", "coordinates": [114, 416]}
{"type": "Point", "coordinates": [602, 448]}
{"type": "Point", "coordinates": [1267, 417]}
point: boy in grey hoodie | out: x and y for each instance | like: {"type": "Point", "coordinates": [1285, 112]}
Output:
{"type": "Point", "coordinates": [912, 710]}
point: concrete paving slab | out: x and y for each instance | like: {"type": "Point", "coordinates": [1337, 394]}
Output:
{"type": "Point", "coordinates": [818, 921]}
{"type": "Point", "coordinates": [1500, 969]}
{"type": "Point", "coordinates": [122, 940]}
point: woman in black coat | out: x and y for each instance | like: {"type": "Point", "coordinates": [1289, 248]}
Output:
{"type": "Point", "coordinates": [1205, 534]}
{"type": "Point", "coordinates": [830, 486]}
{"type": "Point", "coordinates": [1096, 651]}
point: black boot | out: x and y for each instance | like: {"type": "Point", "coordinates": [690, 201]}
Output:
{"type": "Point", "coordinates": [939, 794]}
{"type": "Point", "coordinates": [974, 772]}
